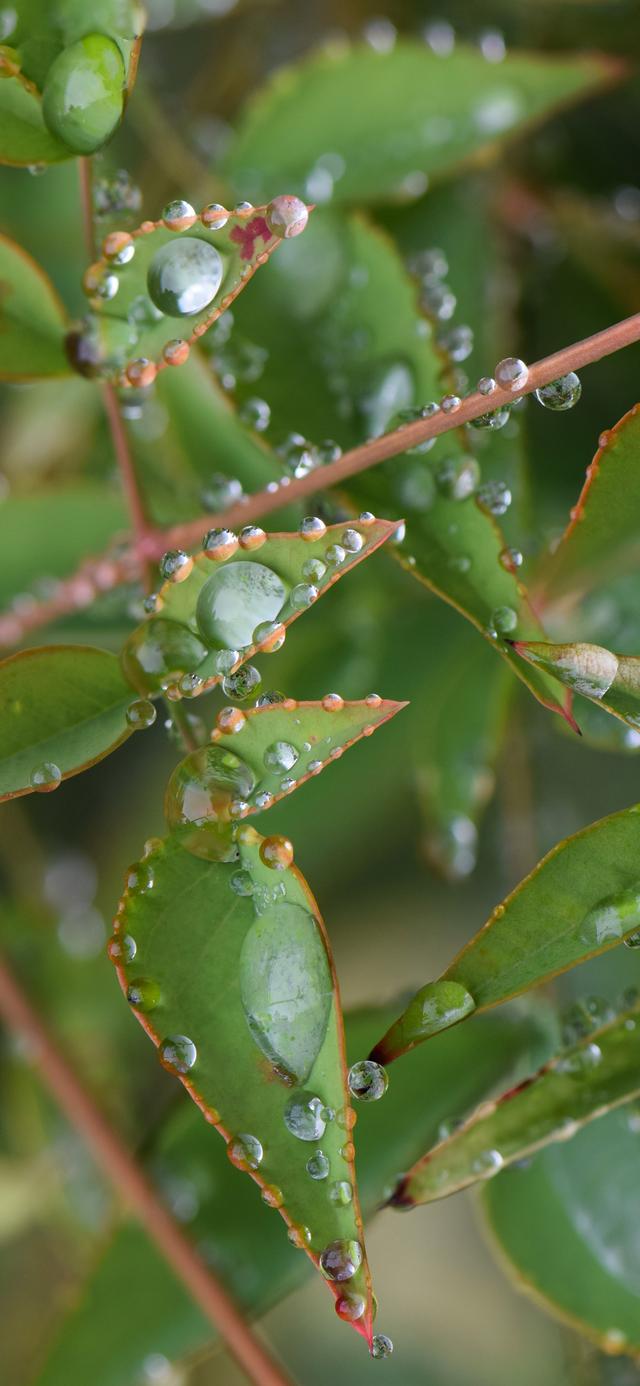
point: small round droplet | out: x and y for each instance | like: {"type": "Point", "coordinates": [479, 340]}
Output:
{"type": "Point", "coordinates": [122, 948]}
{"type": "Point", "coordinates": [243, 684]}
{"type": "Point", "coordinates": [350, 1307]}
{"type": "Point", "coordinates": [511, 559]}
{"type": "Point", "coordinates": [176, 352]}
{"type": "Point", "coordinates": [312, 527]}
{"type": "Point", "coordinates": [304, 1117]}
{"type": "Point", "coordinates": [381, 1345]}
{"type": "Point", "coordinates": [141, 373]}
{"type": "Point", "coordinates": [175, 565]}
{"type": "Point", "coordinates": [245, 1152]}
{"type": "Point", "coordinates": [230, 721]}
{"type": "Point", "coordinates": [184, 276]}
{"type": "Point", "coordinates": [560, 394]}
{"type": "Point", "coordinates": [287, 216]}
{"type": "Point", "coordinates": [143, 994]}
{"type": "Point", "coordinates": [487, 385]}
{"type": "Point", "coordinates": [450, 404]}
{"type": "Point", "coordinates": [140, 714]}
{"type": "Point", "coordinates": [504, 620]}
{"type": "Point", "coordinates": [277, 852]}
{"type": "Point", "coordinates": [318, 1165]}
{"type": "Point", "coordinates": [272, 1196]}
{"type": "Point", "coordinates": [303, 595]}
{"type": "Point", "coordinates": [118, 247]}
{"type": "Point", "coordinates": [351, 540]}
{"type": "Point", "coordinates": [333, 702]}
{"type": "Point", "coordinates": [251, 537]}
{"type": "Point", "coordinates": [214, 216]}
{"type": "Point", "coordinates": [256, 413]}
{"type": "Point", "coordinates": [269, 636]}
{"type": "Point", "coordinates": [314, 569]}
{"type": "Point", "coordinates": [281, 755]}
{"type": "Point", "coordinates": [341, 1260]}
{"type": "Point", "coordinates": [341, 1193]}
{"type": "Point", "coordinates": [177, 1054]}
{"type": "Point", "coordinates": [493, 421]}
{"type": "Point", "coordinates": [494, 496]}
{"type": "Point", "coordinates": [241, 883]}
{"type": "Point", "coordinates": [300, 1237]}
{"type": "Point", "coordinates": [368, 1081]}
{"type": "Point", "coordinates": [45, 777]}
{"type": "Point", "coordinates": [512, 373]}
{"type": "Point", "coordinates": [335, 555]}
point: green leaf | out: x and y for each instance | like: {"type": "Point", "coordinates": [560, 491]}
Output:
{"type": "Point", "coordinates": [600, 538]}
{"type": "Point", "coordinates": [32, 318]}
{"type": "Point", "coordinates": [229, 962]}
{"type": "Point", "coordinates": [156, 290]}
{"type": "Point", "coordinates": [24, 138]}
{"type": "Point", "coordinates": [609, 680]}
{"type": "Point", "coordinates": [580, 900]}
{"type": "Point", "coordinates": [566, 1229]}
{"type": "Point", "coordinates": [64, 708]}
{"type": "Point", "coordinates": [391, 121]}
{"type": "Point", "coordinates": [582, 1083]}
{"type": "Point", "coordinates": [132, 1293]}
{"type": "Point", "coordinates": [204, 625]}
{"type": "Point", "coordinates": [338, 310]}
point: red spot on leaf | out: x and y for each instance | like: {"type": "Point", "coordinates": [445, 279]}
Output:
{"type": "Point", "coordinates": [246, 236]}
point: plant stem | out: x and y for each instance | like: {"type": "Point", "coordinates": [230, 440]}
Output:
{"type": "Point", "coordinates": [119, 1167]}
{"type": "Point", "coordinates": [152, 542]}
{"type": "Point", "coordinates": [135, 505]}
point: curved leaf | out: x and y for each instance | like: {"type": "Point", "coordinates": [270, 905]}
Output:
{"type": "Point", "coordinates": [566, 1229]}
{"type": "Point", "coordinates": [24, 138]}
{"type": "Point", "coordinates": [180, 275]}
{"type": "Point", "coordinates": [239, 963]}
{"type": "Point", "coordinates": [609, 680]}
{"type": "Point", "coordinates": [132, 1293]}
{"type": "Point", "coordinates": [585, 1082]}
{"type": "Point", "coordinates": [580, 900]}
{"type": "Point", "coordinates": [32, 318]}
{"type": "Point", "coordinates": [199, 623]}
{"type": "Point", "coordinates": [64, 707]}
{"type": "Point", "coordinates": [393, 120]}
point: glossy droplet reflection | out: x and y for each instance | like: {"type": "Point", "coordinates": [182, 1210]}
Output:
{"type": "Point", "coordinates": [611, 918]}
{"type": "Point", "coordinates": [304, 1116]}
{"type": "Point", "coordinates": [245, 1152]}
{"type": "Point", "coordinates": [177, 1054]}
{"type": "Point", "coordinates": [341, 1260]}
{"type": "Point", "coordinates": [184, 276]}
{"type": "Point", "coordinates": [381, 1346]}
{"type": "Point", "coordinates": [286, 993]}
{"type": "Point", "coordinates": [143, 993]}
{"type": "Point", "coordinates": [45, 777]}
{"type": "Point", "coordinates": [368, 1081]}
{"type": "Point", "coordinates": [318, 1165]}
{"type": "Point", "coordinates": [561, 394]}
{"type": "Point", "coordinates": [158, 650]}
{"type": "Point", "coordinates": [83, 95]}
{"type": "Point", "coordinates": [237, 599]}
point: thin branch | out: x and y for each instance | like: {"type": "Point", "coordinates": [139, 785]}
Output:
{"type": "Point", "coordinates": [76, 592]}
{"type": "Point", "coordinates": [119, 1167]}
{"type": "Point", "coordinates": [135, 505]}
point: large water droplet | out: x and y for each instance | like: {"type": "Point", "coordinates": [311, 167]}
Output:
{"type": "Point", "coordinates": [436, 1006]}
{"type": "Point", "coordinates": [200, 795]}
{"type": "Point", "coordinates": [286, 991]}
{"type": "Point", "coordinates": [561, 394]}
{"type": "Point", "coordinates": [304, 1116]}
{"type": "Point", "coordinates": [237, 599]}
{"type": "Point", "coordinates": [276, 852]}
{"type": "Point", "coordinates": [341, 1260]}
{"type": "Point", "coordinates": [368, 1081]}
{"type": "Point", "coordinates": [83, 94]}
{"type": "Point", "coordinates": [158, 650]}
{"type": "Point", "coordinates": [381, 1345]}
{"type": "Point", "coordinates": [45, 777]}
{"type": "Point", "coordinates": [184, 276]}
{"type": "Point", "coordinates": [611, 918]}
{"type": "Point", "coordinates": [281, 755]}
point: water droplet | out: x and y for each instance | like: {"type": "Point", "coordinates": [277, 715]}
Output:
{"type": "Point", "coordinates": [199, 795]}
{"type": "Point", "coordinates": [281, 755]}
{"type": "Point", "coordinates": [143, 994]}
{"type": "Point", "coordinates": [493, 421]}
{"type": "Point", "coordinates": [219, 544]}
{"type": "Point", "coordinates": [303, 595]}
{"type": "Point", "coordinates": [236, 600]}
{"type": "Point", "coordinates": [178, 215]}
{"type": "Point", "coordinates": [560, 394]}
{"type": "Point", "coordinates": [632, 940]}
{"type": "Point", "coordinates": [367, 1080]}
{"type": "Point", "coordinates": [287, 216]}
{"type": "Point", "coordinates": [312, 527]}
{"type": "Point", "coordinates": [580, 1061]}
{"type": "Point", "coordinates": [159, 650]}
{"type": "Point", "coordinates": [140, 714]}
{"type": "Point", "coordinates": [300, 1237]}
{"type": "Point", "coordinates": [449, 404]}
{"type": "Point", "coordinates": [341, 1260]}
{"type": "Point", "coordinates": [510, 559]}
{"type": "Point", "coordinates": [297, 455]}
{"type": "Point", "coordinates": [494, 496]}
{"type": "Point", "coordinates": [214, 216]}
{"type": "Point", "coordinates": [220, 492]}
{"type": "Point", "coordinates": [381, 1345]}
{"type": "Point", "coordinates": [341, 1193]}
{"type": "Point", "coordinates": [245, 1152]}
{"type": "Point", "coordinates": [45, 777]}
{"type": "Point", "coordinates": [184, 276]}
{"type": "Point", "coordinates": [318, 1165]}
{"type": "Point", "coordinates": [488, 1163]}
{"type": "Point", "coordinates": [335, 555]}
{"type": "Point", "coordinates": [350, 1307]}
{"type": "Point", "coordinates": [243, 684]}
{"type": "Point", "coordinates": [141, 373]}
{"type": "Point", "coordinates": [438, 300]}
{"type": "Point", "coordinates": [436, 1006]}
{"type": "Point", "coordinates": [122, 948]}
{"type": "Point", "coordinates": [272, 1196]}
{"type": "Point", "coordinates": [225, 660]}
{"type": "Point", "coordinates": [176, 352]}
{"type": "Point", "coordinates": [503, 620]}
{"type": "Point", "coordinates": [327, 451]}
{"type": "Point", "coordinates": [175, 565]}
{"type": "Point", "coordinates": [304, 1116]}
{"type": "Point", "coordinates": [277, 852]}
{"type": "Point", "coordinates": [512, 373]}
{"type": "Point", "coordinates": [140, 878]}
{"type": "Point", "coordinates": [83, 95]}
{"type": "Point", "coordinates": [177, 1054]}
{"type": "Point", "coordinates": [269, 636]}
{"type": "Point", "coordinates": [487, 385]}
{"type": "Point", "coordinates": [611, 918]}
{"type": "Point", "coordinates": [351, 540]}
{"type": "Point", "coordinates": [251, 537]}
{"type": "Point", "coordinates": [333, 702]}
{"type": "Point", "coordinates": [256, 413]}
{"type": "Point", "coordinates": [241, 883]}
{"type": "Point", "coordinates": [458, 477]}
{"type": "Point", "coordinates": [457, 342]}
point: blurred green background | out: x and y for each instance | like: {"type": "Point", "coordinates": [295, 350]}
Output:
{"type": "Point", "coordinates": [569, 262]}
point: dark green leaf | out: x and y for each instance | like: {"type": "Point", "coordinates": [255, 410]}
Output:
{"type": "Point", "coordinates": [585, 1082]}
{"type": "Point", "coordinates": [393, 120]}
{"type": "Point", "coordinates": [32, 318]}
{"type": "Point", "coordinates": [580, 900]}
{"type": "Point", "coordinates": [64, 707]}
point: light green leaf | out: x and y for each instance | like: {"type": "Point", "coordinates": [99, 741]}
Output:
{"type": "Point", "coordinates": [204, 625]}
{"type": "Point", "coordinates": [64, 707]}
{"type": "Point", "coordinates": [580, 900]}
{"type": "Point", "coordinates": [132, 1294]}
{"type": "Point", "coordinates": [379, 125]}
{"type": "Point", "coordinates": [32, 318]}
{"type": "Point", "coordinates": [582, 1083]}
{"type": "Point", "coordinates": [566, 1228]}
{"type": "Point", "coordinates": [609, 680]}
{"type": "Point", "coordinates": [228, 967]}
{"type": "Point", "coordinates": [25, 139]}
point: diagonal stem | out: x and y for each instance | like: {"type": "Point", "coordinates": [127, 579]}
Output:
{"type": "Point", "coordinates": [153, 542]}
{"type": "Point", "coordinates": [121, 1169]}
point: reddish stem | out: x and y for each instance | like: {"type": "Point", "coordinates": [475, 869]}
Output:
{"type": "Point", "coordinates": [119, 1167]}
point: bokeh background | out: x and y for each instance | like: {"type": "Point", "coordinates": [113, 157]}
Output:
{"type": "Point", "coordinates": [569, 264]}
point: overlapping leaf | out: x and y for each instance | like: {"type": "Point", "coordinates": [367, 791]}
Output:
{"type": "Point", "coordinates": [65, 73]}
{"type": "Point", "coordinates": [567, 1225]}
{"type": "Point", "coordinates": [609, 680]}
{"type": "Point", "coordinates": [374, 126]}
{"type": "Point", "coordinates": [585, 1082]}
{"type": "Point", "coordinates": [156, 290]}
{"type": "Point", "coordinates": [581, 899]}
{"type": "Point", "coordinates": [64, 707]}
{"type": "Point", "coordinates": [205, 625]}
{"type": "Point", "coordinates": [32, 318]}
{"type": "Point", "coordinates": [228, 967]}
{"type": "Point", "coordinates": [132, 1294]}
